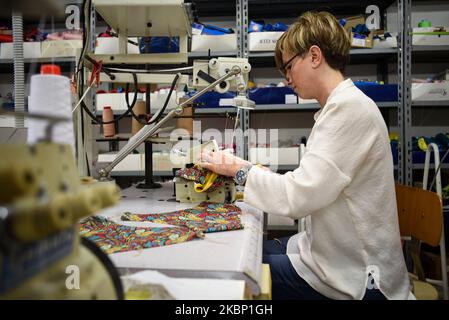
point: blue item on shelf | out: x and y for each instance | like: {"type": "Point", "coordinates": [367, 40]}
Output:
{"type": "Point", "coordinates": [359, 36]}
{"type": "Point", "coordinates": [270, 95]}
{"type": "Point", "coordinates": [382, 37]}
{"type": "Point", "coordinates": [279, 26]}
{"type": "Point", "coordinates": [361, 29]}
{"type": "Point", "coordinates": [276, 95]}
{"type": "Point", "coordinates": [255, 27]}
{"type": "Point", "coordinates": [8, 106]}
{"type": "Point", "coordinates": [394, 151]}
{"type": "Point", "coordinates": [211, 99]}
{"type": "Point", "coordinates": [209, 29]}
{"type": "Point", "coordinates": [268, 27]}
{"type": "Point", "coordinates": [259, 27]}
{"type": "Point", "coordinates": [443, 140]}
{"type": "Point", "coordinates": [419, 157]}
{"type": "Point", "coordinates": [159, 44]}
{"type": "Point", "coordinates": [378, 92]}
{"type": "Point", "coordinates": [198, 27]}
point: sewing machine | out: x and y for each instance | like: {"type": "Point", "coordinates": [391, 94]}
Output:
{"type": "Point", "coordinates": [185, 189]}
{"type": "Point", "coordinates": [41, 200]}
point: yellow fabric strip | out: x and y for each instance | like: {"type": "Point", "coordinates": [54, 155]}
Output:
{"type": "Point", "coordinates": [208, 181]}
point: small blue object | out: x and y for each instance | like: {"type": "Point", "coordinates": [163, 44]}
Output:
{"type": "Point", "coordinates": [378, 92]}
{"type": "Point", "coordinates": [342, 22]}
{"type": "Point", "coordinates": [394, 151]}
{"type": "Point", "coordinates": [119, 90]}
{"type": "Point", "coordinates": [199, 28]}
{"type": "Point", "coordinates": [255, 27]}
{"type": "Point", "coordinates": [279, 26]}
{"type": "Point", "coordinates": [211, 99]}
{"type": "Point", "coordinates": [214, 30]}
{"type": "Point", "coordinates": [358, 36]}
{"type": "Point", "coordinates": [361, 29]}
{"type": "Point", "coordinates": [159, 44]}
{"type": "Point", "coordinates": [268, 27]}
{"type": "Point", "coordinates": [270, 95]}
{"type": "Point", "coordinates": [383, 37]}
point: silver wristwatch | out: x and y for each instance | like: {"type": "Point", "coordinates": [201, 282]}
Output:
{"type": "Point", "coordinates": [242, 174]}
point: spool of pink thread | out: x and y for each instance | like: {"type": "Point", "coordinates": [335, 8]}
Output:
{"type": "Point", "coordinates": [108, 129]}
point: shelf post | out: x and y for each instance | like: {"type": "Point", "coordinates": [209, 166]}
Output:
{"type": "Point", "coordinates": [405, 166]}
{"type": "Point", "coordinates": [242, 52]}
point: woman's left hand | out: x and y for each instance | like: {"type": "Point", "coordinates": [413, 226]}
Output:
{"type": "Point", "coordinates": [221, 162]}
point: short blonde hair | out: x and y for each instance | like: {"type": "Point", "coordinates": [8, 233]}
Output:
{"type": "Point", "coordinates": [316, 28]}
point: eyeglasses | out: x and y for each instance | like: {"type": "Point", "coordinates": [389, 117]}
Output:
{"type": "Point", "coordinates": [284, 66]}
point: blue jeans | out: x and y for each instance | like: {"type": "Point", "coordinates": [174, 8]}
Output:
{"type": "Point", "coordinates": [286, 283]}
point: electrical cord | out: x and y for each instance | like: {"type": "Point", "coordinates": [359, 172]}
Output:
{"type": "Point", "coordinates": [158, 115]}
{"type": "Point", "coordinates": [155, 119]}
{"type": "Point", "coordinates": [136, 92]}
{"type": "Point", "coordinates": [161, 111]}
{"type": "Point", "coordinates": [80, 63]}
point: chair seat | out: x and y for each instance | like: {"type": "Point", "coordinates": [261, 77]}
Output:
{"type": "Point", "coordinates": [424, 291]}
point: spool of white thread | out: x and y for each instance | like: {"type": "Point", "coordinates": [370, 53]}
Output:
{"type": "Point", "coordinates": [50, 95]}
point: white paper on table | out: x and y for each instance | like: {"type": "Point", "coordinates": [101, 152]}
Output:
{"type": "Point", "coordinates": [191, 289]}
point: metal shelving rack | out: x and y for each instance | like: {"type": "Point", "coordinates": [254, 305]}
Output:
{"type": "Point", "coordinates": [403, 58]}
{"type": "Point", "coordinates": [242, 14]}
{"type": "Point", "coordinates": [405, 103]}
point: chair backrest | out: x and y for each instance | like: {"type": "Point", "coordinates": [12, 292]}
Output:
{"type": "Point", "coordinates": [420, 214]}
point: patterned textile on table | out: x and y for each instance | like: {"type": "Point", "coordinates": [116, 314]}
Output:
{"type": "Point", "coordinates": [204, 179]}
{"type": "Point", "coordinates": [204, 218]}
{"type": "Point", "coordinates": [186, 224]}
{"type": "Point", "coordinates": [112, 237]}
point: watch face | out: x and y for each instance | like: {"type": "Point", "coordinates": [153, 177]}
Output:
{"type": "Point", "coordinates": [240, 176]}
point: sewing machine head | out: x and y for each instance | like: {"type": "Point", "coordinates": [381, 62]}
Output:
{"type": "Point", "coordinates": [194, 184]}
{"type": "Point", "coordinates": [207, 71]}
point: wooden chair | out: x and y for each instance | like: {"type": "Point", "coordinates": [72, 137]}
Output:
{"type": "Point", "coordinates": [421, 220]}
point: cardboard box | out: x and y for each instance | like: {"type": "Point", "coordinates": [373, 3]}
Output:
{"type": "Point", "coordinates": [352, 22]}
{"type": "Point", "coordinates": [361, 41]}
{"type": "Point", "coordinates": [430, 36]}
{"type": "Point", "coordinates": [106, 45]}
{"type": "Point", "coordinates": [430, 91]}
{"type": "Point", "coordinates": [263, 41]}
{"type": "Point", "coordinates": [30, 50]}
{"type": "Point", "coordinates": [204, 43]}
{"type": "Point", "coordinates": [61, 48]}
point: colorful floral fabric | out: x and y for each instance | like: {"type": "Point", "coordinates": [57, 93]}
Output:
{"type": "Point", "coordinates": [206, 217]}
{"type": "Point", "coordinates": [203, 178]}
{"type": "Point", "coordinates": [112, 237]}
{"type": "Point", "coordinates": [187, 224]}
